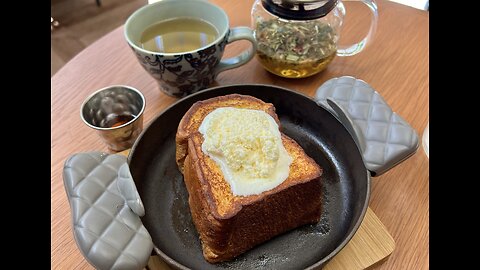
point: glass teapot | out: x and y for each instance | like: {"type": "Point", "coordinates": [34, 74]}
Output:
{"type": "Point", "coordinates": [298, 38]}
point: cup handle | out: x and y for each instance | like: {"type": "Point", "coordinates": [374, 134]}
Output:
{"type": "Point", "coordinates": [238, 33]}
{"type": "Point", "coordinates": [358, 47]}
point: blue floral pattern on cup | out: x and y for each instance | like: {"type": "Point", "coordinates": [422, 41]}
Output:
{"type": "Point", "coordinates": [183, 74]}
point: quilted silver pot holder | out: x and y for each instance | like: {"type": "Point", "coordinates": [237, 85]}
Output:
{"type": "Point", "coordinates": [383, 137]}
{"type": "Point", "coordinates": [108, 232]}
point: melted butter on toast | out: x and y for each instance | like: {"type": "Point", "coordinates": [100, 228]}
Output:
{"type": "Point", "coordinates": [247, 146]}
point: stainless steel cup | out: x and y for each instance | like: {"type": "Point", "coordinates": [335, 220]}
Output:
{"type": "Point", "coordinates": [116, 112]}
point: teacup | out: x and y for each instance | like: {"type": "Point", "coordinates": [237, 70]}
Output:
{"type": "Point", "coordinates": [182, 73]}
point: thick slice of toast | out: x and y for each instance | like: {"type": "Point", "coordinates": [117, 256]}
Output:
{"type": "Point", "coordinates": [229, 225]}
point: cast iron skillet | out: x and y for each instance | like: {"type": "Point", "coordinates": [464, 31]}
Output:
{"type": "Point", "coordinates": [346, 185]}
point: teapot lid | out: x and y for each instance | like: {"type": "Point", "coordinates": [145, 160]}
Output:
{"type": "Point", "coordinates": [299, 9]}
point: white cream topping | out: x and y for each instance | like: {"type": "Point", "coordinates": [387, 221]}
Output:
{"type": "Point", "coordinates": [247, 146]}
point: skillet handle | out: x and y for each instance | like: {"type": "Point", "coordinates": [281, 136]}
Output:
{"type": "Point", "coordinates": [383, 137]}
{"type": "Point", "coordinates": [105, 210]}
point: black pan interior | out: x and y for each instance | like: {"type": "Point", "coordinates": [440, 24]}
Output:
{"type": "Point", "coordinates": [168, 219]}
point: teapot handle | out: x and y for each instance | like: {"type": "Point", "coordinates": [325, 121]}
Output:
{"type": "Point", "coordinates": [359, 46]}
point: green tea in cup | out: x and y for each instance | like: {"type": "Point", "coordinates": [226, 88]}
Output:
{"type": "Point", "coordinates": [178, 35]}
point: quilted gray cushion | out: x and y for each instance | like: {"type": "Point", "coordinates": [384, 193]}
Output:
{"type": "Point", "coordinates": [384, 138]}
{"type": "Point", "coordinates": [108, 233]}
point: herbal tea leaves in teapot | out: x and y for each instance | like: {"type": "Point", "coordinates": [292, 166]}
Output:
{"type": "Point", "coordinates": [295, 49]}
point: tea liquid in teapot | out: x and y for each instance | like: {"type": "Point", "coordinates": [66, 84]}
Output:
{"type": "Point", "coordinates": [295, 49]}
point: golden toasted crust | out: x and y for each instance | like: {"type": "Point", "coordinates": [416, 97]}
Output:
{"type": "Point", "coordinates": [229, 225]}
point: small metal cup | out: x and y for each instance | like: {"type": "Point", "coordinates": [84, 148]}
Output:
{"type": "Point", "coordinates": [116, 112]}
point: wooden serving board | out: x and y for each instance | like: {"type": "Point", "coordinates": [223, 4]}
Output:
{"type": "Point", "coordinates": [370, 245]}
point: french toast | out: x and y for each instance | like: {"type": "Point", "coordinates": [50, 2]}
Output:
{"type": "Point", "coordinates": [228, 224]}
